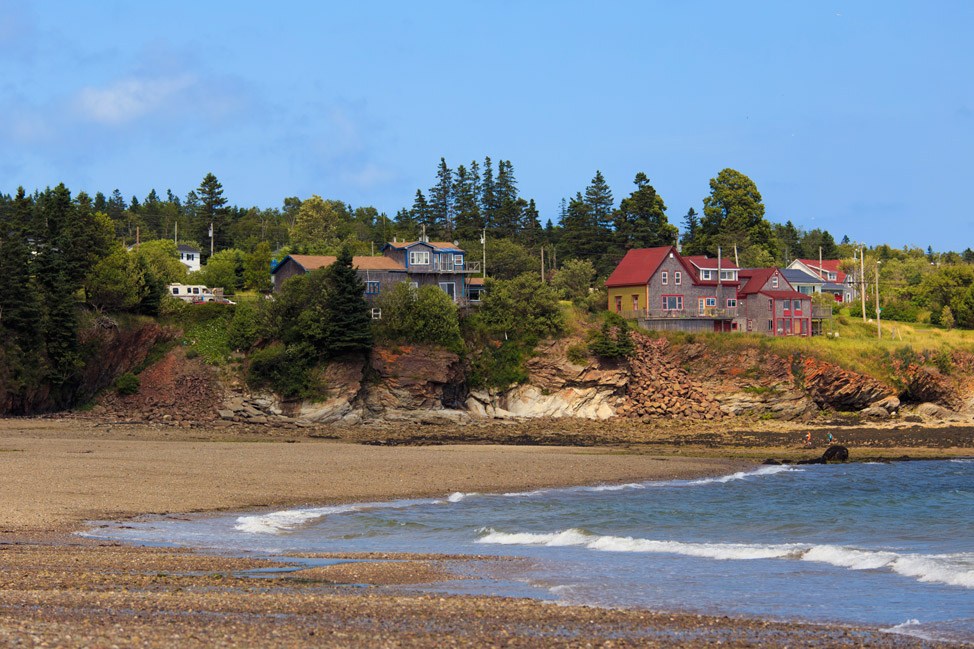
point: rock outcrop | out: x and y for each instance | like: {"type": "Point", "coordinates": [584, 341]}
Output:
{"type": "Point", "coordinates": [659, 388]}
{"type": "Point", "coordinates": [833, 387]}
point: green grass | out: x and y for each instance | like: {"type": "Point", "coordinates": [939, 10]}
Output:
{"type": "Point", "coordinates": [211, 340]}
{"type": "Point", "coordinates": [856, 347]}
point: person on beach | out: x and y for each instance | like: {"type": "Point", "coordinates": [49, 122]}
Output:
{"type": "Point", "coordinates": [829, 439]}
{"type": "Point", "coordinates": [808, 439]}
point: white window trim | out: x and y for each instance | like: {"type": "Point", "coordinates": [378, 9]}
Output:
{"type": "Point", "coordinates": [731, 300]}
{"type": "Point", "coordinates": [664, 276]}
{"type": "Point", "coordinates": [677, 278]}
{"type": "Point", "coordinates": [774, 281]}
{"type": "Point", "coordinates": [416, 255]}
{"type": "Point", "coordinates": [458, 260]}
{"type": "Point", "coordinates": [705, 274]}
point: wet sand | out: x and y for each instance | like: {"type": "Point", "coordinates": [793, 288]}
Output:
{"type": "Point", "coordinates": [58, 589]}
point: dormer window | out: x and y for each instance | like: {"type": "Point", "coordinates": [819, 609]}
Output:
{"type": "Point", "coordinates": [832, 277]}
{"type": "Point", "coordinates": [705, 274]}
{"type": "Point", "coordinates": [728, 275]}
{"type": "Point", "coordinates": [419, 258]}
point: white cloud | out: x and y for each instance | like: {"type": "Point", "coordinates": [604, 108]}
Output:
{"type": "Point", "coordinates": [130, 99]}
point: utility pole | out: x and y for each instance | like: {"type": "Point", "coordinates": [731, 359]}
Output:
{"type": "Point", "coordinates": [879, 326]}
{"type": "Point", "coordinates": [211, 238]}
{"type": "Point", "coordinates": [862, 280]}
{"type": "Point", "coordinates": [483, 242]}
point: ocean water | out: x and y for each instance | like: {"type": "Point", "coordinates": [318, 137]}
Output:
{"type": "Point", "coordinates": [879, 544]}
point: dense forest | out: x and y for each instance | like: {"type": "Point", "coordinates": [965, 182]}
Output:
{"type": "Point", "coordinates": [63, 256]}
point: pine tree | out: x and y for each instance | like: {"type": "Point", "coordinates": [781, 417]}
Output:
{"type": "Point", "coordinates": [349, 323]}
{"type": "Point", "coordinates": [441, 203]}
{"type": "Point", "coordinates": [598, 197]}
{"type": "Point", "coordinates": [507, 214]}
{"type": "Point", "coordinates": [530, 223]}
{"type": "Point", "coordinates": [20, 311]}
{"type": "Point", "coordinates": [421, 214]}
{"type": "Point", "coordinates": [640, 221]}
{"type": "Point", "coordinates": [488, 199]}
{"type": "Point", "coordinates": [466, 194]}
{"type": "Point", "coordinates": [211, 212]}
{"type": "Point", "coordinates": [690, 240]}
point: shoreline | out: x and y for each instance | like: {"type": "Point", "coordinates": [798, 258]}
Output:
{"type": "Point", "coordinates": [51, 580]}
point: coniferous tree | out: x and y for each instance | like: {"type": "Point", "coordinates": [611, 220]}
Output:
{"type": "Point", "coordinates": [441, 203]}
{"type": "Point", "coordinates": [580, 233]}
{"type": "Point", "coordinates": [20, 310]}
{"type": "Point", "coordinates": [466, 193]}
{"type": "Point", "coordinates": [211, 212]}
{"type": "Point", "coordinates": [421, 215]}
{"type": "Point", "coordinates": [507, 214]}
{"type": "Point", "coordinates": [598, 197]}
{"type": "Point", "coordinates": [488, 199]}
{"type": "Point", "coordinates": [640, 221]}
{"type": "Point", "coordinates": [689, 240]}
{"type": "Point", "coordinates": [349, 324]}
{"type": "Point", "coordinates": [529, 228]}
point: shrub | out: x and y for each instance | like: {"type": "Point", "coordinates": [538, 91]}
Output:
{"type": "Point", "coordinates": [285, 370]}
{"type": "Point", "coordinates": [424, 315]}
{"type": "Point", "coordinates": [613, 340]}
{"type": "Point", "coordinates": [127, 384]}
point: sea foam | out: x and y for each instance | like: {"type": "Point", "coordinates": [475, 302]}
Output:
{"type": "Point", "coordinates": [950, 569]}
{"type": "Point", "coordinates": [282, 521]}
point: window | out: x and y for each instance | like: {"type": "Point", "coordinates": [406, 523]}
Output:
{"type": "Point", "coordinates": [419, 258]}
{"type": "Point", "coordinates": [449, 288]}
{"type": "Point", "coordinates": [774, 282]}
{"type": "Point", "coordinates": [750, 325]}
{"type": "Point", "coordinates": [618, 304]}
{"type": "Point", "coordinates": [731, 303]}
{"type": "Point", "coordinates": [458, 261]}
{"type": "Point", "coordinates": [672, 302]}
{"type": "Point", "coordinates": [705, 274]}
{"type": "Point", "coordinates": [635, 302]}
{"type": "Point", "coordinates": [175, 290]}
{"type": "Point", "coordinates": [728, 275]}
{"type": "Point", "coordinates": [770, 305]}
{"type": "Point", "coordinates": [831, 277]}
{"type": "Point", "coordinates": [711, 301]}
{"type": "Point", "coordinates": [190, 256]}
{"type": "Point", "coordinates": [677, 277]}
{"type": "Point", "coordinates": [665, 277]}
{"type": "Point", "coordinates": [372, 287]}
{"type": "Point", "coordinates": [196, 290]}
{"type": "Point", "coordinates": [770, 325]}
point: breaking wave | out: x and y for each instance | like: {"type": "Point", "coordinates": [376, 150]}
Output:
{"type": "Point", "coordinates": [950, 569]}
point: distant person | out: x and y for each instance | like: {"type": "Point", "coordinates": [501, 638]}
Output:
{"type": "Point", "coordinates": [829, 439]}
{"type": "Point", "coordinates": [808, 439]}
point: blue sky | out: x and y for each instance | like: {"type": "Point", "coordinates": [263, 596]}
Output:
{"type": "Point", "coordinates": [856, 117]}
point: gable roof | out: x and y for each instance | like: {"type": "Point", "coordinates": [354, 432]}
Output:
{"type": "Point", "coordinates": [186, 248]}
{"type": "Point", "coordinates": [756, 279]}
{"type": "Point", "coordinates": [444, 246]}
{"type": "Point", "coordinates": [639, 265]}
{"type": "Point", "coordinates": [314, 262]}
{"type": "Point", "coordinates": [827, 266]}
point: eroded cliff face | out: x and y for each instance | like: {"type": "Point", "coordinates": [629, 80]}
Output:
{"type": "Point", "coordinates": [107, 351]}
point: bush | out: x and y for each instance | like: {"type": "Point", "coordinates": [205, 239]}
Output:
{"type": "Point", "coordinates": [285, 370]}
{"type": "Point", "coordinates": [127, 384]}
{"type": "Point", "coordinates": [424, 315]}
{"type": "Point", "coordinates": [245, 326]}
{"type": "Point", "coordinates": [613, 340]}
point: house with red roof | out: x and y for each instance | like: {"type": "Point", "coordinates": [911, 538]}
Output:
{"type": "Point", "coordinates": [662, 289]}
{"type": "Point", "coordinates": [840, 285]}
{"type": "Point", "coordinates": [768, 304]}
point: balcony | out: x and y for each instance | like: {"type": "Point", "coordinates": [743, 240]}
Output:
{"type": "Point", "coordinates": [447, 266]}
{"type": "Point", "coordinates": [821, 312]}
{"type": "Point", "coordinates": [709, 313]}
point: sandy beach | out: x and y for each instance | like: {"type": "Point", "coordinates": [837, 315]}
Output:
{"type": "Point", "coordinates": [59, 589]}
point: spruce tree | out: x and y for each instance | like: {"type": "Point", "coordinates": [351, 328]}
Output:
{"type": "Point", "coordinates": [640, 221]}
{"type": "Point", "coordinates": [690, 240]}
{"type": "Point", "coordinates": [349, 324]}
{"type": "Point", "coordinates": [530, 223]}
{"type": "Point", "coordinates": [507, 214]}
{"type": "Point", "coordinates": [488, 198]}
{"type": "Point", "coordinates": [466, 194]}
{"type": "Point", "coordinates": [20, 311]}
{"type": "Point", "coordinates": [211, 210]}
{"type": "Point", "coordinates": [441, 203]}
{"type": "Point", "coordinates": [421, 215]}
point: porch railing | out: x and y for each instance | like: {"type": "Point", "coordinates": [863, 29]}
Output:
{"type": "Point", "coordinates": [709, 313]}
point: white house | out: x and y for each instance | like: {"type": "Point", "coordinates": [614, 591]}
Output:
{"type": "Point", "coordinates": [189, 256]}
